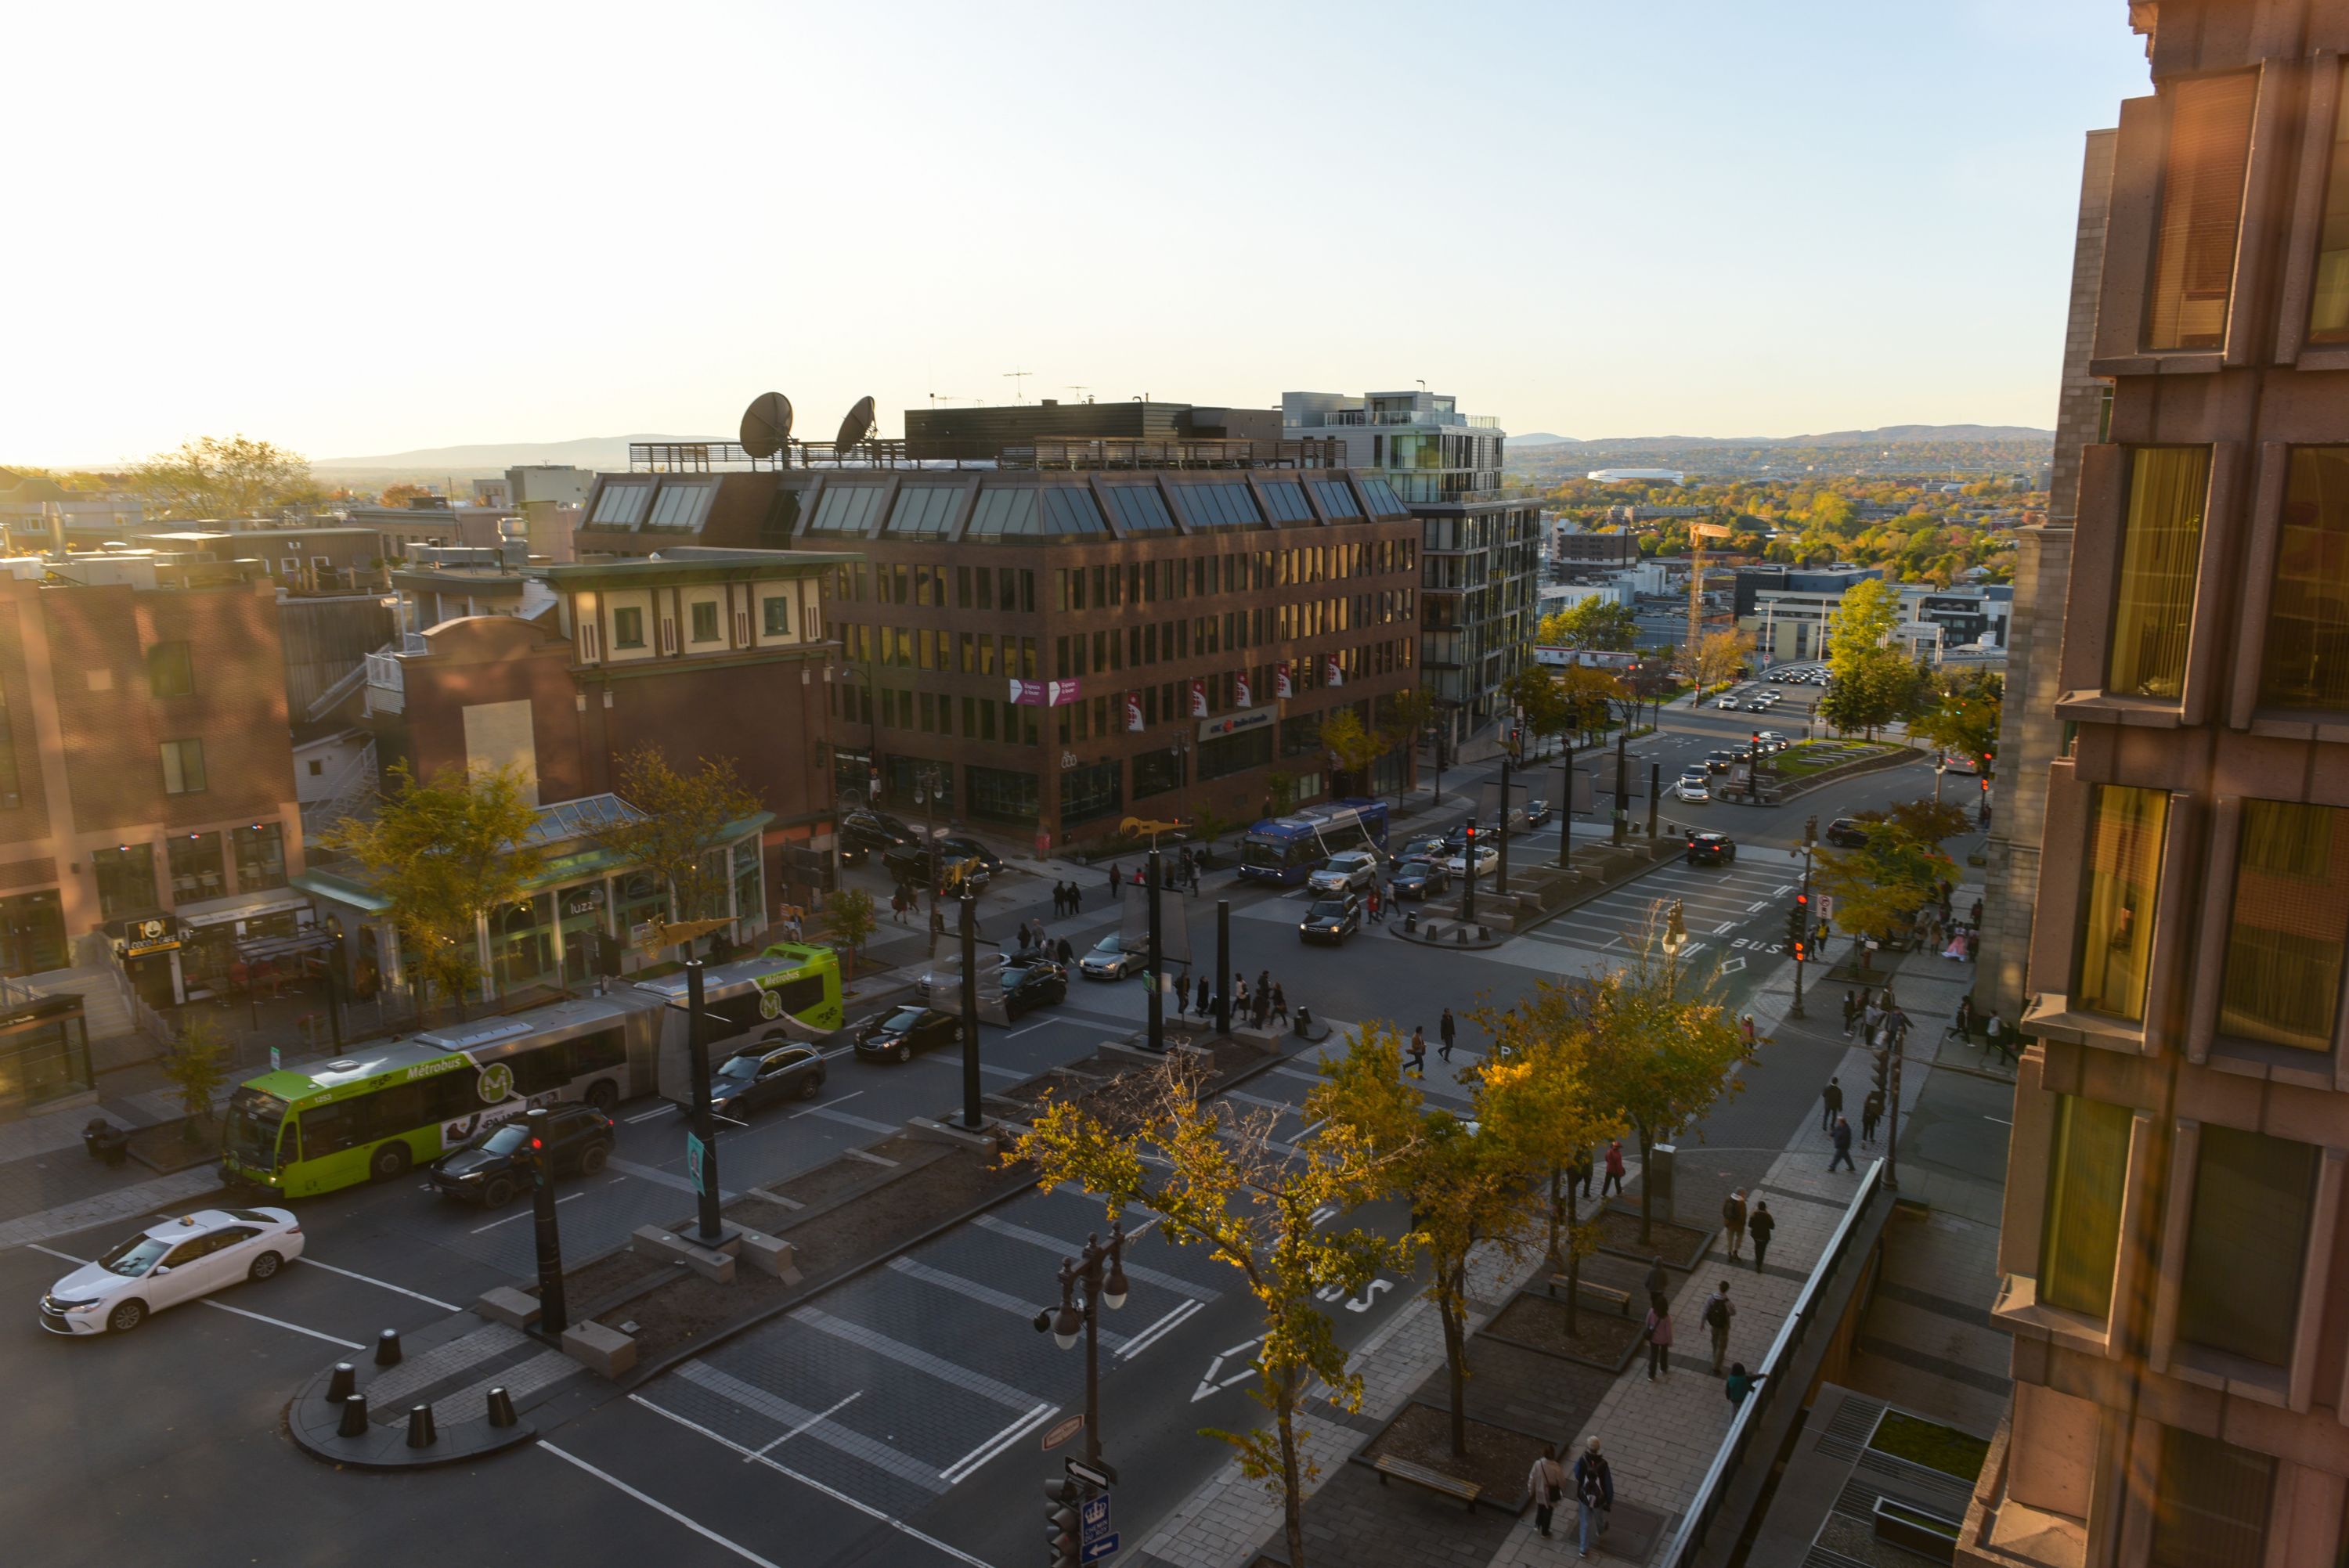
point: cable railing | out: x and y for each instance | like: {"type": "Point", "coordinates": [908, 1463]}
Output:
{"type": "Point", "coordinates": [1699, 1516]}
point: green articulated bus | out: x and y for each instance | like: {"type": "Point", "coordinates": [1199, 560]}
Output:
{"type": "Point", "coordinates": [397, 1103]}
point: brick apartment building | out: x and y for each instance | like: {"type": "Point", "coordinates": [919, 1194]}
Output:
{"type": "Point", "coordinates": [147, 785]}
{"type": "Point", "coordinates": [1185, 611]}
{"type": "Point", "coordinates": [2175, 1272]}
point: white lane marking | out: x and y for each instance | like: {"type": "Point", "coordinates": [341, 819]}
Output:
{"type": "Point", "coordinates": [803, 1426]}
{"type": "Point", "coordinates": [864, 1507]}
{"type": "Point", "coordinates": [1060, 1248]}
{"type": "Point", "coordinates": [1159, 1330]}
{"type": "Point", "coordinates": [524, 1215]}
{"type": "Point", "coordinates": [1033, 1027]}
{"type": "Point", "coordinates": [1781, 892]}
{"type": "Point", "coordinates": [1725, 928]}
{"type": "Point", "coordinates": [772, 1196]}
{"type": "Point", "coordinates": [810, 1111]}
{"type": "Point", "coordinates": [2000, 1120]}
{"type": "Point", "coordinates": [657, 1506]}
{"type": "Point", "coordinates": [648, 1115]}
{"type": "Point", "coordinates": [65, 1257]}
{"type": "Point", "coordinates": [946, 1371]}
{"type": "Point", "coordinates": [381, 1285]}
{"type": "Point", "coordinates": [217, 1306]}
{"type": "Point", "coordinates": [1758, 904]}
{"type": "Point", "coordinates": [954, 1473]}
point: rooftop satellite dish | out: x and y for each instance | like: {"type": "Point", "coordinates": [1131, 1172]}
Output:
{"type": "Point", "coordinates": [766, 424]}
{"type": "Point", "coordinates": [856, 427]}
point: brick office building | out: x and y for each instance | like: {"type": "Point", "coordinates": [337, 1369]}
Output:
{"type": "Point", "coordinates": [2174, 1269]}
{"type": "Point", "coordinates": [147, 785]}
{"type": "Point", "coordinates": [1155, 594]}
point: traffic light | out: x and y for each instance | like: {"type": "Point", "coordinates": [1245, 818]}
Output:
{"type": "Point", "coordinates": [1061, 1496]}
{"type": "Point", "coordinates": [1883, 1066]}
{"type": "Point", "coordinates": [1798, 924]}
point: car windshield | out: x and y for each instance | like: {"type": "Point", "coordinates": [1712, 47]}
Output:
{"type": "Point", "coordinates": [1108, 947]}
{"type": "Point", "coordinates": [1016, 976]}
{"type": "Point", "coordinates": [1328, 909]}
{"type": "Point", "coordinates": [902, 1019]}
{"type": "Point", "coordinates": [739, 1068]}
{"type": "Point", "coordinates": [135, 1256]}
{"type": "Point", "coordinates": [504, 1140]}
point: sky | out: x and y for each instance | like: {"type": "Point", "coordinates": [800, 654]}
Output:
{"type": "Point", "coordinates": [360, 230]}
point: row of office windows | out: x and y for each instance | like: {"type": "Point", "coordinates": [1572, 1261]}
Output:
{"type": "Point", "coordinates": [1097, 652]}
{"type": "Point", "coordinates": [928, 648]}
{"type": "Point", "coordinates": [196, 865]}
{"type": "Point", "coordinates": [1009, 589]}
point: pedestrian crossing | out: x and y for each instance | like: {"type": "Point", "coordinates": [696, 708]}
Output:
{"type": "Point", "coordinates": [1735, 914]}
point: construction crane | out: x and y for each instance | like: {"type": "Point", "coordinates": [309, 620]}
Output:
{"type": "Point", "coordinates": [1697, 533]}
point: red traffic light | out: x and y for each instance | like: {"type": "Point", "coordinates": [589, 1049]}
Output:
{"type": "Point", "coordinates": [1472, 832]}
{"type": "Point", "coordinates": [1802, 900]}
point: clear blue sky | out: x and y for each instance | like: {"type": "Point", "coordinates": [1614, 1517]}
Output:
{"type": "Point", "coordinates": [359, 229]}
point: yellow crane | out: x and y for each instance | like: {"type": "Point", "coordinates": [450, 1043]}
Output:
{"type": "Point", "coordinates": [1697, 533]}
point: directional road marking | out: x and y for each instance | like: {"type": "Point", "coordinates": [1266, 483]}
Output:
{"type": "Point", "coordinates": [1215, 1380]}
{"type": "Point", "coordinates": [1730, 966]}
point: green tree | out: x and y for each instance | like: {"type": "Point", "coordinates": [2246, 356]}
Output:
{"type": "Point", "coordinates": [676, 829]}
{"type": "Point", "coordinates": [1586, 691]}
{"type": "Point", "coordinates": [445, 854]}
{"type": "Point", "coordinates": [1965, 719]}
{"type": "Point", "coordinates": [1878, 887]}
{"type": "Point", "coordinates": [1536, 693]}
{"type": "Point", "coordinates": [197, 1065]}
{"type": "Point", "coordinates": [1404, 718]}
{"type": "Point", "coordinates": [1352, 746]}
{"type": "Point", "coordinates": [239, 476]}
{"type": "Point", "coordinates": [849, 917]}
{"type": "Point", "coordinates": [1214, 1180]}
{"type": "Point", "coordinates": [1874, 682]}
{"type": "Point", "coordinates": [1660, 1049]}
{"type": "Point", "coordinates": [1595, 623]}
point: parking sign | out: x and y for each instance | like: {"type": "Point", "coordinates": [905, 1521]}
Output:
{"type": "Point", "coordinates": [1098, 1539]}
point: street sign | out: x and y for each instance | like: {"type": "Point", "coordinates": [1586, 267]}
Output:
{"type": "Point", "coordinates": [1064, 1431]}
{"type": "Point", "coordinates": [1097, 1473]}
{"type": "Point", "coordinates": [1097, 1540]}
{"type": "Point", "coordinates": [1094, 1551]}
{"type": "Point", "coordinates": [694, 1150]}
{"type": "Point", "coordinates": [276, 1063]}
{"type": "Point", "coordinates": [1826, 906]}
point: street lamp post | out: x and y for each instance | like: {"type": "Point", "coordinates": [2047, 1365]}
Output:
{"type": "Point", "coordinates": [1566, 797]}
{"type": "Point", "coordinates": [1182, 750]}
{"type": "Point", "coordinates": [1103, 1287]}
{"type": "Point", "coordinates": [926, 794]}
{"type": "Point", "coordinates": [1940, 767]}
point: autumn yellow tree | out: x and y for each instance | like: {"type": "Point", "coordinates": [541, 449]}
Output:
{"type": "Point", "coordinates": [1216, 1180]}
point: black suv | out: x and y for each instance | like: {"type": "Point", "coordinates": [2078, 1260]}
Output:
{"type": "Point", "coordinates": [765, 1076]}
{"type": "Point", "coordinates": [861, 830]}
{"type": "Point", "coordinates": [1846, 833]}
{"type": "Point", "coordinates": [1032, 985]}
{"type": "Point", "coordinates": [898, 1035]}
{"type": "Point", "coordinates": [1712, 850]}
{"type": "Point", "coordinates": [484, 1170]}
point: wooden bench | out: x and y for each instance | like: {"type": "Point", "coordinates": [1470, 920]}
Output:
{"type": "Point", "coordinates": [1468, 1491]}
{"type": "Point", "coordinates": [1620, 1300]}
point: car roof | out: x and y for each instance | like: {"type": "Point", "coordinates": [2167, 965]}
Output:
{"type": "Point", "coordinates": [196, 1222]}
{"type": "Point", "coordinates": [1710, 838]}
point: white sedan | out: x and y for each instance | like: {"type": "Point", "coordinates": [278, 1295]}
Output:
{"type": "Point", "coordinates": [166, 1265]}
{"type": "Point", "coordinates": [1693, 785]}
{"type": "Point", "coordinates": [1488, 859]}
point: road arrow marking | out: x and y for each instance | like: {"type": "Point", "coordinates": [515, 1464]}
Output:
{"type": "Point", "coordinates": [1731, 965]}
{"type": "Point", "coordinates": [1213, 1382]}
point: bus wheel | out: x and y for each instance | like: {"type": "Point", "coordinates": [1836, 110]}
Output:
{"type": "Point", "coordinates": [604, 1094]}
{"type": "Point", "coordinates": [389, 1162]}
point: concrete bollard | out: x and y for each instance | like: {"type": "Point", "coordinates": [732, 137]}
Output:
{"type": "Point", "coordinates": [355, 1416]}
{"type": "Point", "coordinates": [386, 1347]}
{"type": "Point", "coordinates": [343, 1384]}
{"type": "Point", "coordinates": [501, 1410]}
{"type": "Point", "coordinates": [421, 1434]}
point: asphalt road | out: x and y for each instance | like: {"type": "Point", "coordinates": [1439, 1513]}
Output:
{"type": "Point", "coordinates": [898, 1420]}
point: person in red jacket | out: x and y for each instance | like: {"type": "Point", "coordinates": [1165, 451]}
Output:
{"type": "Point", "coordinates": [1614, 1182]}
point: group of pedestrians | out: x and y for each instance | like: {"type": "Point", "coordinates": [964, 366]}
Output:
{"type": "Point", "coordinates": [1415, 1063]}
{"type": "Point", "coordinates": [1067, 899]}
{"type": "Point", "coordinates": [1260, 1005]}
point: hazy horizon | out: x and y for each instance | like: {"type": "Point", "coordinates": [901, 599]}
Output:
{"type": "Point", "coordinates": [351, 240]}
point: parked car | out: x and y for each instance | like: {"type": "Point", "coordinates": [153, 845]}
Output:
{"type": "Point", "coordinates": [1710, 849]}
{"type": "Point", "coordinates": [1420, 876]}
{"type": "Point", "coordinates": [1109, 959]}
{"type": "Point", "coordinates": [1487, 858]}
{"type": "Point", "coordinates": [913, 863]}
{"type": "Point", "coordinates": [1349, 871]}
{"type": "Point", "coordinates": [167, 1264]}
{"type": "Point", "coordinates": [763, 1076]}
{"type": "Point", "coordinates": [1846, 833]}
{"type": "Point", "coordinates": [1033, 985]}
{"type": "Point", "coordinates": [867, 830]}
{"type": "Point", "coordinates": [1694, 785]}
{"type": "Point", "coordinates": [1330, 919]}
{"type": "Point", "coordinates": [897, 1035]}
{"type": "Point", "coordinates": [484, 1169]}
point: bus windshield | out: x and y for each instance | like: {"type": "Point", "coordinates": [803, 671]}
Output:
{"type": "Point", "coordinates": [254, 1120]}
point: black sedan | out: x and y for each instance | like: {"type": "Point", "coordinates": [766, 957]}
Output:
{"type": "Point", "coordinates": [762, 1077]}
{"type": "Point", "coordinates": [1330, 919]}
{"type": "Point", "coordinates": [1030, 985]}
{"type": "Point", "coordinates": [1712, 850]}
{"type": "Point", "coordinates": [484, 1170]}
{"type": "Point", "coordinates": [862, 829]}
{"type": "Point", "coordinates": [1417, 878]}
{"type": "Point", "coordinates": [1846, 833]}
{"type": "Point", "coordinates": [897, 1036]}
{"type": "Point", "coordinates": [1537, 813]}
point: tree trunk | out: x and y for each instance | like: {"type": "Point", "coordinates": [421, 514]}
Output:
{"type": "Point", "coordinates": [1556, 1209]}
{"type": "Point", "coordinates": [1647, 1157]}
{"type": "Point", "coordinates": [1452, 1306]}
{"type": "Point", "coordinates": [1292, 1485]}
{"type": "Point", "coordinates": [1573, 1266]}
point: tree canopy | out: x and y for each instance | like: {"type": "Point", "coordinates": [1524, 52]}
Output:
{"type": "Point", "coordinates": [1874, 680]}
{"type": "Point", "coordinates": [1878, 887]}
{"type": "Point", "coordinates": [238, 477]}
{"type": "Point", "coordinates": [675, 837]}
{"type": "Point", "coordinates": [1595, 623]}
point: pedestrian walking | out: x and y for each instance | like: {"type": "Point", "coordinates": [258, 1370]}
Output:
{"type": "Point", "coordinates": [1740, 1383]}
{"type": "Point", "coordinates": [1974, 919]}
{"type": "Point", "coordinates": [1064, 952]}
{"type": "Point", "coordinates": [1374, 903]}
{"type": "Point", "coordinates": [1448, 1032]}
{"type": "Point", "coordinates": [1850, 1012]}
{"type": "Point", "coordinates": [1658, 1281]}
{"type": "Point", "coordinates": [1196, 866]}
{"type": "Point", "coordinates": [1658, 1329]}
{"type": "Point", "coordinates": [1279, 1004]}
{"type": "Point", "coordinates": [1872, 1111]}
{"type": "Point", "coordinates": [1718, 1311]}
{"type": "Point", "coordinates": [1239, 996]}
{"type": "Point", "coordinates": [1733, 1219]}
{"type": "Point", "coordinates": [1758, 1225]}
{"type": "Point", "coordinates": [1830, 1104]}
{"type": "Point", "coordinates": [1076, 898]}
{"type": "Point", "coordinates": [1842, 1147]}
{"type": "Point", "coordinates": [1545, 1484]}
{"type": "Point", "coordinates": [1263, 981]}
{"type": "Point", "coordinates": [1614, 1182]}
{"type": "Point", "coordinates": [1994, 1037]}
{"type": "Point", "coordinates": [1897, 1022]}
{"type": "Point", "coordinates": [1746, 1027]}
{"type": "Point", "coordinates": [1594, 1492]}
{"type": "Point", "coordinates": [1181, 993]}
{"type": "Point", "coordinates": [1263, 1013]}
{"type": "Point", "coordinates": [1114, 878]}
{"type": "Point", "coordinates": [1417, 1066]}
{"type": "Point", "coordinates": [1581, 1172]}
{"type": "Point", "coordinates": [1961, 1023]}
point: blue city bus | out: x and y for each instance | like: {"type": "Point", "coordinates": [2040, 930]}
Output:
{"type": "Point", "coordinates": [1288, 849]}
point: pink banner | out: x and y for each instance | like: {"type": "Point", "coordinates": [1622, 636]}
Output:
{"type": "Point", "coordinates": [1241, 696]}
{"type": "Point", "coordinates": [1198, 699]}
{"type": "Point", "coordinates": [1282, 686]}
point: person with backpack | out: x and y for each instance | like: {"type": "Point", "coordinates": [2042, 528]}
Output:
{"type": "Point", "coordinates": [1658, 1329]}
{"type": "Point", "coordinates": [1545, 1484]}
{"type": "Point", "coordinates": [1831, 1101]}
{"type": "Point", "coordinates": [1718, 1311]}
{"type": "Point", "coordinates": [1594, 1490]}
{"type": "Point", "coordinates": [1872, 1111]}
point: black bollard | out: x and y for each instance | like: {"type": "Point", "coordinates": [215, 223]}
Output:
{"type": "Point", "coordinates": [343, 1384]}
{"type": "Point", "coordinates": [386, 1347]}
{"type": "Point", "coordinates": [355, 1416]}
{"type": "Point", "coordinates": [1304, 1020]}
{"type": "Point", "coordinates": [421, 1434]}
{"type": "Point", "coordinates": [501, 1410]}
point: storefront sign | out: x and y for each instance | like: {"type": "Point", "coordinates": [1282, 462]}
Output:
{"type": "Point", "coordinates": [1235, 723]}
{"type": "Point", "coordinates": [157, 934]}
{"type": "Point", "coordinates": [582, 900]}
{"type": "Point", "coordinates": [246, 911]}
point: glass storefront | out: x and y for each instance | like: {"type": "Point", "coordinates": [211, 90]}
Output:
{"type": "Point", "coordinates": [749, 898]}
{"type": "Point", "coordinates": [641, 899]}
{"type": "Point", "coordinates": [126, 879]}
{"type": "Point", "coordinates": [32, 932]}
{"type": "Point", "coordinates": [44, 1052]}
{"type": "Point", "coordinates": [260, 856]}
{"type": "Point", "coordinates": [198, 868]}
{"type": "Point", "coordinates": [583, 919]}
{"type": "Point", "coordinates": [521, 942]}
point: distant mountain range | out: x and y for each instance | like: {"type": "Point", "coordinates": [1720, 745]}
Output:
{"type": "Point", "coordinates": [600, 452]}
{"type": "Point", "coordinates": [1886, 436]}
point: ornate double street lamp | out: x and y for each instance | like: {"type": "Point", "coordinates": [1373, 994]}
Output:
{"type": "Point", "coordinates": [1101, 1271]}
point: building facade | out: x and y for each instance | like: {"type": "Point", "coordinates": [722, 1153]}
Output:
{"type": "Point", "coordinates": [1479, 548]}
{"type": "Point", "coordinates": [1145, 627]}
{"type": "Point", "coordinates": [2175, 1275]}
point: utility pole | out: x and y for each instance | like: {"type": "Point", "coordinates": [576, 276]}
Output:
{"type": "Point", "coordinates": [701, 1144]}
{"type": "Point", "coordinates": [1565, 799]}
{"type": "Point", "coordinates": [970, 1080]}
{"type": "Point", "coordinates": [1157, 1013]}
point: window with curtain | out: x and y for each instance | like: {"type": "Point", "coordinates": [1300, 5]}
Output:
{"type": "Point", "coordinates": [2238, 1284]}
{"type": "Point", "coordinates": [2117, 899]}
{"type": "Point", "coordinates": [2088, 1163]}
{"type": "Point", "coordinates": [2201, 210]}
{"type": "Point", "coordinates": [2328, 312]}
{"type": "Point", "coordinates": [2161, 542]}
{"type": "Point", "coordinates": [2282, 981]}
{"type": "Point", "coordinates": [2211, 1506]}
{"type": "Point", "coordinates": [2305, 662]}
